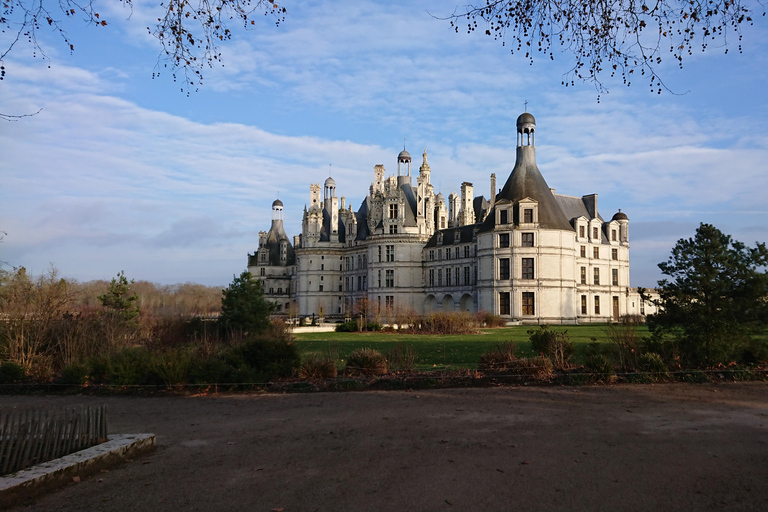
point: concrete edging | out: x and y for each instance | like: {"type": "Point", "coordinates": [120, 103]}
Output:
{"type": "Point", "coordinates": [55, 473]}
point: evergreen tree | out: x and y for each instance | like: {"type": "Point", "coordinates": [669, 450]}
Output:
{"type": "Point", "coordinates": [715, 299]}
{"type": "Point", "coordinates": [119, 300]}
{"type": "Point", "coordinates": [244, 306]}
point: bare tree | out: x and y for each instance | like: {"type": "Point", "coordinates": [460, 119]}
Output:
{"type": "Point", "coordinates": [609, 37]}
{"type": "Point", "coordinates": [189, 32]}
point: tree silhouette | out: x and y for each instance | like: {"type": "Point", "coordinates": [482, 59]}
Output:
{"type": "Point", "coordinates": [628, 38]}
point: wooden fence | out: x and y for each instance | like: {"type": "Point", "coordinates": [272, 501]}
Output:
{"type": "Point", "coordinates": [32, 436]}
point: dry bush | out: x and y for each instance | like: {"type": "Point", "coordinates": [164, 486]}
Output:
{"type": "Point", "coordinates": [401, 358]}
{"type": "Point", "coordinates": [488, 319]}
{"type": "Point", "coordinates": [539, 367]}
{"type": "Point", "coordinates": [366, 361]}
{"type": "Point", "coordinates": [625, 336]}
{"type": "Point", "coordinates": [455, 322]}
{"type": "Point", "coordinates": [499, 358]}
{"type": "Point", "coordinates": [316, 367]}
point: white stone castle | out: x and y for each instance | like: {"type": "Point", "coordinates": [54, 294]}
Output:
{"type": "Point", "coordinates": [526, 254]}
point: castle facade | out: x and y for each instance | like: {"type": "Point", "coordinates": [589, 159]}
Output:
{"type": "Point", "coordinates": [525, 253]}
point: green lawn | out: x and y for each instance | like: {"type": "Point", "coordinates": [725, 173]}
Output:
{"type": "Point", "coordinates": [457, 351]}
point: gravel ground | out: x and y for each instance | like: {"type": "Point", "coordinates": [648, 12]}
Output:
{"type": "Point", "coordinates": [638, 447]}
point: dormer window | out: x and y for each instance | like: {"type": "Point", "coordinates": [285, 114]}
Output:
{"type": "Point", "coordinates": [393, 211]}
{"type": "Point", "coordinates": [528, 215]}
{"type": "Point", "coordinates": [503, 217]}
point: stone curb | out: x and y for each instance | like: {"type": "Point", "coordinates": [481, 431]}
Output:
{"type": "Point", "coordinates": [33, 481]}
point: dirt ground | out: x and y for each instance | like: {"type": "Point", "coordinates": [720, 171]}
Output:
{"type": "Point", "coordinates": [638, 447]}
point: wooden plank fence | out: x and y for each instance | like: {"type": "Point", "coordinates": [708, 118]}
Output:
{"type": "Point", "coordinates": [33, 436]}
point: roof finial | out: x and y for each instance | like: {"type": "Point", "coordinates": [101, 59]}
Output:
{"type": "Point", "coordinates": [526, 105]}
{"type": "Point", "coordinates": [403, 143]}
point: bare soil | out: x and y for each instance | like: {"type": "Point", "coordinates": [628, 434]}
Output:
{"type": "Point", "coordinates": [639, 447]}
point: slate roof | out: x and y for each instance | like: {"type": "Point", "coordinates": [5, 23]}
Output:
{"type": "Point", "coordinates": [526, 180]}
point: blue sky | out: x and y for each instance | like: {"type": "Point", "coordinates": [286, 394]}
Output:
{"type": "Point", "coordinates": [120, 171]}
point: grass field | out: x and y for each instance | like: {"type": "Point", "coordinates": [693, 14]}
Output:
{"type": "Point", "coordinates": [456, 351]}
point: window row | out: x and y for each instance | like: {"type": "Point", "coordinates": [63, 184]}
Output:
{"type": "Point", "coordinates": [450, 253]}
{"type": "Point", "coordinates": [596, 276]}
{"type": "Point", "coordinates": [349, 283]}
{"type": "Point", "coordinates": [526, 240]}
{"type": "Point", "coordinates": [349, 262]}
{"type": "Point", "coordinates": [596, 233]}
{"type": "Point", "coordinates": [453, 277]}
{"type": "Point", "coordinates": [527, 302]}
{"type": "Point", "coordinates": [526, 264]}
{"type": "Point", "coordinates": [389, 253]}
{"type": "Point", "coordinates": [596, 304]}
{"type": "Point", "coordinates": [596, 253]}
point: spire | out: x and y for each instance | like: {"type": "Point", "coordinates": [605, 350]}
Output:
{"type": "Point", "coordinates": [526, 180]}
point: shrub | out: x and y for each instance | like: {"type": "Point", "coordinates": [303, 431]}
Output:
{"type": "Point", "coordinates": [539, 367]}
{"type": "Point", "coordinates": [600, 367]}
{"type": "Point", "coordinates": [651, 362]}
{"type": "Point", "coordinates": [267, 358]}
{"type": "Point", "coordinates": [11, 373]}
{"type": "Point", "coordinates": [366, 361]}
{"type": "Point", "coordinates": [498, 358]}
{"type": "Point", "coordinates": [356, 326]}
{"type": "Point", "coordinates": [131, 366]}
{"type": "Point", "coordinates": [210, 371]}
{"type": "Point", "coordinates": [316, 367]}
{"type": "Point", "coordinates": [401, 357]}
{"type": "Point", "coordinates": [172, 366]}
{"type": "Point", "coordinates": [458, 322]}
{"type": "Point", "coordinates": [557, 346]}
{"type": "Point", "coordinates": [624, 336]}
{"type": "Point", "coordinates": [75, 374]}
{"type": "Point", "coordinates": [488, 319]}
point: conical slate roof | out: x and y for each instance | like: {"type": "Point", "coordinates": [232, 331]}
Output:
{"type": "Point", "coordinates": [526, 181]}
{"type": "Point", "coordinates": [274, 237]}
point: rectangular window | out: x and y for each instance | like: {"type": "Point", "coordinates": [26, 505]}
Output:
{"type": "Point", "coordinates": [447, 277]}
{"type": "Point", "coordinates": [581, 231]}
{"type": "Point", "coordinates": [390, 253]}
{"type": "Point", "coordinates": [597, 304]}
{"type": "Point", "coordinates": [379, 254]}
{"type": "Point", "coordinates": [583, 304]}
{"type": "Point", "coordinates": [390, 302]}
{"type": "Point", "coordinates": [615, 300]}
{"type": "Point", "coordinates": [466, 276]}
{"type": "Point", "coordinates": [321, 288]}
{"type": "Point", "coordinates": [583, 275]}
{"type": "Point", "coordinates": [431, 277]}
{"type": "Point", "coordinates": [504, 240]}
{"type": "Point", "coordinates": [393, 229]}
{"type": "Point", "coordinates": [466, 251]}
{"type": "Point", "coordinates": [346, 284]}
{"type": "Point", "coordinates": [346, 262]}
{"type": "Point", "coordinates": [439, 277]}
{"type": "Point", "coordinates": [615, 276]}
{"type": "Point", "coordinates": [528, 307]}
{"type": "Point", "coordinates": [597, 276]}
{"type": "Point", "coordinates": [432, 255]}
{"type": "Point", "coordinates": [583, 251]}
{"type": "Point", "coordinates": [456, 274]}
{"type": "Point", "coordinates": [393, 211]}
{"type": "Point", "coordinates": [503, 268]}
{"type": "Point", "coordinates": [594, 233]}
{"type": "Point", "coordinates": [379, 276]}
{"type": "Point", "coordinates": [527, 239]}
{"type": "Point", "coordinates": [448, 253]}
{"type": "Point", "coordinates": [365, 282]}
{"type": "Point", "coordinates": [613, 235]}
{"type": "Point", "coordinates": [503, 217]}
{"type": "Point", "coordinates": [504, 304]}
{"type": "Point", "coordinates": [359, 283]}
{"type": "Point", "coordinates": [390, 278]}
{"type": "Point", "coordinates": [642, 308]}
{"type": "Point", "coordinates": [527, 268]}
{"type": "Point", "coordinates": [456, 253]}
{"type": "Point", "coordinates": [442, 222]}
{"type": "Point", "coordinates": [596, 253]}
{"type": "Point", "coordinates": [614, 254]}
{"type": "Point", "coordinates": [528, 215]}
